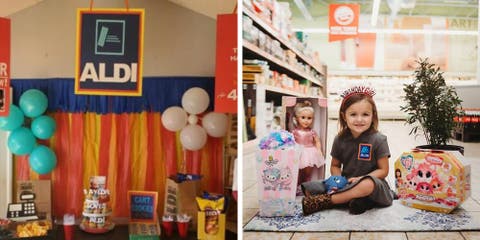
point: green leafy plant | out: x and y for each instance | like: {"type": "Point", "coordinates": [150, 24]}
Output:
{"type": "Point", "coordinates": [431, 105]}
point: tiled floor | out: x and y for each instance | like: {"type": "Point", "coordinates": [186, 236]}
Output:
{"type": "Point", "coordinates": [399, 141]}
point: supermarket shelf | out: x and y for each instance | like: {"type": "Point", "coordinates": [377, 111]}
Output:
{"type": "Point", "coordinates": [273, 32]}
{"type": "Point", "coordinates": [285, 66]}
{"type": "Point", "coordinates": [280, 90]}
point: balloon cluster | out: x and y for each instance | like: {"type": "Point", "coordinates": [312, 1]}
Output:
{"type": "Point", "coordinates": [193, 136]}
{"type": "Point", "coordinates": [21, 141]}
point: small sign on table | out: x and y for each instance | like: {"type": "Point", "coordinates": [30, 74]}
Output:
{"type": "Point", "coordinates": [143, 215]}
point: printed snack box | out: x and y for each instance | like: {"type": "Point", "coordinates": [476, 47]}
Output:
{"type": "Point", "coordinates": [432, 180]}
{"type": "Point", "coordinates": [211, 227]}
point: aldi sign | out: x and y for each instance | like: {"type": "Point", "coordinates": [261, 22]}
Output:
{"type": "Point", "coordinates": [109, 52]}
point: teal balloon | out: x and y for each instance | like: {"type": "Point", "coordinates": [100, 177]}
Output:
{"type": "Point", "coordinates": [21, 141]}
{"type": "Point", "coordinates": [14, 119]}
{"type": "Point", "coordinates": [33, 103]}
{"type": "Point", "coordinates": [42, 160]}
{"type": "Point", "coordinates": [43, 127]}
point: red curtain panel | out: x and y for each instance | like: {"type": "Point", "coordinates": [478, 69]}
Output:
{"type": "Point", "coordinates": [133, 150]}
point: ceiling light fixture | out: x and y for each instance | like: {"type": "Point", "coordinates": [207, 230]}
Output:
{"type": "Point", "coordinates": [397, 31]}
{"type": "Point", "coordinates": [375, 10]}
{"type": "Point", "coordinates": [303, 10]}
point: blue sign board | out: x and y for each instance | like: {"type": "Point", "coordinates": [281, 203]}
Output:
{"type": "Point", "coordinates": [143, 206]}
{"type": "Point", "coordinates": [109, 52]}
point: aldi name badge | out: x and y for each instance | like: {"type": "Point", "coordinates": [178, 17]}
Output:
{"type": "Point", "coordinates": [364, 152]}
{"type": "Point", "coordinates": [109, 52]}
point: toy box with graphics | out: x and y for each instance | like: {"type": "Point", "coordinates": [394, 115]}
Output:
{"type": "Point", "coordinates": [277, 173]}
{"type": "Point", "coordinates": [319, 121]}
{"type": "Point", "coordinates": [432, 180]}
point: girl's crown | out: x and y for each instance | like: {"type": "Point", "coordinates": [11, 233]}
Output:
{"type": "Point", "coordinates": [358, 90]}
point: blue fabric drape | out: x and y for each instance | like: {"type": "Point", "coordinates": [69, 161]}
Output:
{"type": "Point", "coordinates": [159, 93]}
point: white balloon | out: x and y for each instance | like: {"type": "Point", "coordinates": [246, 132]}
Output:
{"type": "Point", "coordinates": [195, 100]}
{"type": "Point", "coordinates": [174, 118]}
{"type": "Point", "coordinates": [215, 124]}
{"type": "Point", "coordinates": [193, 137]}
{"type": "Point", "coordinates": [192, 119]}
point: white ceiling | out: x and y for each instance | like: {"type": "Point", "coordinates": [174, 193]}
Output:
{"type": "Point", "coordinates": [9, 7]}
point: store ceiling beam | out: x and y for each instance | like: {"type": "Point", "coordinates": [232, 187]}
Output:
{"type": "Point", "coordinates": [303, 9]}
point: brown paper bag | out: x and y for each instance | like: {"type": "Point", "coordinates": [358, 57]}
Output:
{"type": "Point", "coordinates": [180, 199]}
{"type": "Point", "coordinates": [40, 191]}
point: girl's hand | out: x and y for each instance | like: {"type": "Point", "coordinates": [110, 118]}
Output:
{"type": "Point", "coordinates": [354, 179]}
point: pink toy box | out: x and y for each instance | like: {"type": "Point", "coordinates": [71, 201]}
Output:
{"type": "Point", "coordinates": [277, 173]}
{"type": "Point", "coordinates": [319, 124]}
{"type": "Point", "coordinates": [432, 180]}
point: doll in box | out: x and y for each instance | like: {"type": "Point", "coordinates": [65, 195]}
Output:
{"type": "Point", "coordinates": [304, 135]}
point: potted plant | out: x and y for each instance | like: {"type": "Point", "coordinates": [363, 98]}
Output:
{"type": "Point", "coordinates": [431, 106]}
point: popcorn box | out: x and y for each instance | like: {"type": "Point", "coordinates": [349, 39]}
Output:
{"type": "Point", "coordinates": [432, 180]}
{"type": "Point", "coordinates": [277, 173]}
{"type": "Point", "coordinates": [211, 227]}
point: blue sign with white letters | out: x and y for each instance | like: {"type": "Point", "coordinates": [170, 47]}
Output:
{"type": "Point", "coordinates": [143, 206]}
{"type": "Point", "coordinates": [365, 151]}
{"type": "Point", "coordinates": [109, 52]}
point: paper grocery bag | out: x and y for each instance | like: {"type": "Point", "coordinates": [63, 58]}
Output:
{"type": "Point", "coordinates": [180, 198]}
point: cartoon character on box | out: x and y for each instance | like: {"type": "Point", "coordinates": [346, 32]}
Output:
{"type": "Point", "coordinates": [398, 178]}
{"type": "Point", "coordinates": [271, 178]}
{"type": "Point", "coordinates": [277, 179]}
{"type": "Point", "coordinates": [285, 178]}
{"type": "Point", "coordinates": [424, 179]}
{"type": "Point", "coordinates": [432, 181]}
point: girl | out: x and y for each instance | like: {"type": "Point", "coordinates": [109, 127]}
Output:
{"type": "Point", "coordinates": [360, 153]}
{"type": "Point", "coordinates": [304, 135]}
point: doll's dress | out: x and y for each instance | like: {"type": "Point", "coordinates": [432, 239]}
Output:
{"type": "Point", "coordinates": [310, 156]}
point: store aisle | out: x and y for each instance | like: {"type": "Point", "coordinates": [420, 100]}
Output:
{"type": "Point", "coordinates": [399, 141]}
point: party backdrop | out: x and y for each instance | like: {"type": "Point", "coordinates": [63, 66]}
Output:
{"type": "Point", "coordinates": [121, 138]}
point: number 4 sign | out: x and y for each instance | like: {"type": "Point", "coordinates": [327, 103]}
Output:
{"type": "Point", "coordinates": [226, 64]}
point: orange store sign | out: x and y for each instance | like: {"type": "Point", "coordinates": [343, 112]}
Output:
{"type": "Point", "coordinates": [226, 64]}
{"type": "Point", "coordinates": [343, 21]}
{"type": "Point", "coordinates": [4, 66]}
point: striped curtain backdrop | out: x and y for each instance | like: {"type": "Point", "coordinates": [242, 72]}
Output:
{"type": "Point", "coordinates": [124, 142]}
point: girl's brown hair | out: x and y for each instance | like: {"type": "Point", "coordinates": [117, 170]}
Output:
{"type": "Point", "coordinates": [346, 103]}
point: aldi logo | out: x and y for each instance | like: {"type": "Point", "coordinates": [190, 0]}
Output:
{"type": "Point", "coordinates": [109, 52]}
{"type": "Point", "coordinates": [110, 37]}
{"type": "Point", "coordinates": [365, 151]}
